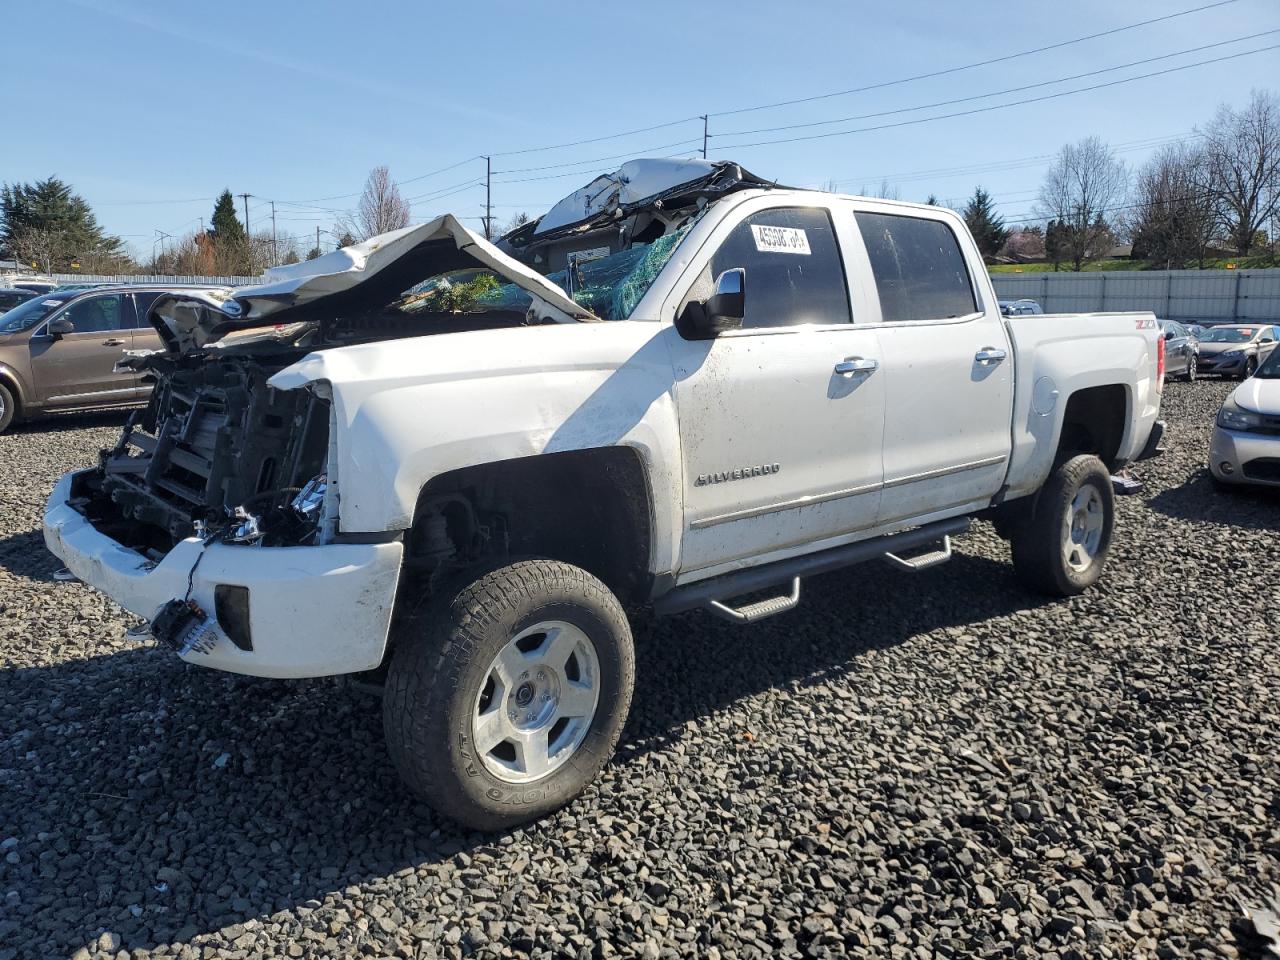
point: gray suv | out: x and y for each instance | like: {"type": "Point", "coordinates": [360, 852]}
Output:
{"type": "Point", "coordinates": [58, 351]}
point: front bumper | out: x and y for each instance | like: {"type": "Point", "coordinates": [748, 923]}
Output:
{"type": "Point", "coordinates": [313, 611]}
{"type": "Point", "coordinates": [1214, 364]}
{"type": "Point", "coordinates": [1251, 457]}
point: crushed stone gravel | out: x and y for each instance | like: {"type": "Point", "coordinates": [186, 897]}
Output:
{"type": "Point", "coordinates": [940, 765]}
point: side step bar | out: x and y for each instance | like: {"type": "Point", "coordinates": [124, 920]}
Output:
{"type": "Point", "coordinates": [922, 561]}
{"type": "Point", "coordinates": [710, 594]}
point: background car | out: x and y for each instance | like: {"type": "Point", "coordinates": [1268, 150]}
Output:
{"type": "Point", "coordinates": [1020, 308]}
{"type": "Point", "coordinates": [1245, 447]}
{"type": "Point", "coordinates": [1235, 350]}
{"type": "Point", "coordinates": [10, 297]}
{"type": "Point", "coordinates": [58, 351]}
{"type": "Point", "coordinates": [35, 284]}
{"type": "Point", "coordinates": [1180, 351]}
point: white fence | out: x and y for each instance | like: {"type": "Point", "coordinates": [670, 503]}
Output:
{"type": "Point", "coordinates": [1188, 296]}
{"type": "Point", "coordinates": [159, 280]}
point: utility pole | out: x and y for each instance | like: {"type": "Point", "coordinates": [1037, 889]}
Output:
{"type": "Point", "coordinates": [317, 240]}
{"type": "Point", "coordinates": [488, 197]}
{"type": "Point", "coordinates": [275, 251]}
{"type": "Point", "coordinates": [704, 135]}
{"type": "Point", "coordinates": [248, 237]}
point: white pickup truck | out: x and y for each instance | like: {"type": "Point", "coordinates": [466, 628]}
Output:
{"type": "Point", "coordinates": [463, 466]}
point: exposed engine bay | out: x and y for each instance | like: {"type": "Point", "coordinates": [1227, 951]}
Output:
{"type": "Point", "coordinates": [221, 455]}
{"type": "Point", "coordinates": [216, 454]}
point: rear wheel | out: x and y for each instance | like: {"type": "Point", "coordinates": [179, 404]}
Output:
{"type": "Point", "coordinates": [1061, 548]}
{"type": "Point", "coordinates": [505, 698]}
{"type": "Point", "coordinates": [8, 408]}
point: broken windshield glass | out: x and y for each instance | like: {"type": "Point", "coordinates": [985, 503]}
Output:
{"type": "Point", "coordinates": [610, 287]}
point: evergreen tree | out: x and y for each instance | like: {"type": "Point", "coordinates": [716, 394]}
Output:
{"type": "Point", "coordinates": [46, 223]}
{"type": "Point", "coordinates": [986, 226]}
{"type": "Point", "coordinates": [227, 228]}
{"type": "Point", "coordinates": [313, 253]}
{"type": "Point", "coordinates": [932, 200]}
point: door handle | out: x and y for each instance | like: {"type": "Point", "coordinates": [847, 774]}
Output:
{"type": "Point", "coordinates": [855, 365]}
{"type": "Point", "coordinates": [989, 356]}
{"type": "Point", "coordinates": [113, 343]}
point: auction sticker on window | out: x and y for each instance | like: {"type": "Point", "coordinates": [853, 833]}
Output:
{"type": "Point", "coordinates": [780, 239]}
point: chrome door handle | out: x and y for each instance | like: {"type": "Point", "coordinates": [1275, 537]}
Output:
{"type": "Point", "coordinates": [988, 356]}
{"type": "Point", "coordinates": [113, 343]}
{"type": "Point", "coordinates": [856, 365]}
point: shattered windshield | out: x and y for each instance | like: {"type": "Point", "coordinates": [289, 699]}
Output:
{"type": "Point", "coordinates": [610, 287]}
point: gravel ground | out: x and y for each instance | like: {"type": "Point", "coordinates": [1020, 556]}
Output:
{"type": "Point", "coordinates": [942, 766]}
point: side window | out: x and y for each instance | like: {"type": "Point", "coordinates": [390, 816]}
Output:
{"type": "Point", "coordinates": [794, 271]}
{"type": "Point", "coordinates": [142, 305]}
{"type": "Point", "coordinates": [96, 314]}
{"type": "Point", "coordinates": [918, 267]}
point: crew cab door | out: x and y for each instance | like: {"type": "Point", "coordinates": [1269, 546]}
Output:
{"type": "Point", "coordinates": [780, 450]}
{"type": "Point", "coordinates": [78, 367]}
{"type": "Point", "coordinates": [947, 368]}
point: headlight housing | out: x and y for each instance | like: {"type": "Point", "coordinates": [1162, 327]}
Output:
{"type": "Point", "coordinates": [1230, 354]}
{"type": "Point", "coordinates": [1234, 417]}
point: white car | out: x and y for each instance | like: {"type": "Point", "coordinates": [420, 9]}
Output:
{"type": "Point", "coordinates": [461, 464]}
{"type": "Point", "coordinates": [1246, 438]}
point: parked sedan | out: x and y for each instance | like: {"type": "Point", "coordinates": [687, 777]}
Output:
{"type": "Point", "coordinates": [10, 297]}
{"type": "Point", "coordinates": [59, 351]}
{"type": "Point", "coordinates": [1181, 351]}
{"type": "Point", "coordinates": [1246, 438]}
{"type": "Point", "coordinates": [1235, 350]}
{"type": "Point", "coordinates": [1020, 308]}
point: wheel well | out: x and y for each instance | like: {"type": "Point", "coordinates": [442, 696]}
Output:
{"type": "Point", "coordinates": [590, 508]}
{"type": "Point", "coordinates": [1094, 423]}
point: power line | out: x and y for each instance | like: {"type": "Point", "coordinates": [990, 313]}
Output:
{"type": "Point", "coordinates": [999, 93]}
{"type": "Point", "coordinates": [1001, 106]}
{"type": "Point", "coordinates": [972, 66]}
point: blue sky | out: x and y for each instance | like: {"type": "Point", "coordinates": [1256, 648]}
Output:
{"type": "Point", "coordinates": [149, 109]}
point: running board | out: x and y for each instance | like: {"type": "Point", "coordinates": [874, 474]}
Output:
{"type": "Point", "coordinates": [760, 609]}
{"type": "Point", "coordinates": [922, 561]}
{"type": "Point", "coordinates": [711, 594]}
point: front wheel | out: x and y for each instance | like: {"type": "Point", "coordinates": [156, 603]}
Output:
{"type": "Point", "coordinates": [1191, 369]}
{"type": "Point", "coordinates": [505, 699]}
{"type": "Point", "coordinates": [8, 409]}
{"type": "Point", "coordinates": [1250, 368]}
{"type": "Point", "coordinates": [1061, 548]}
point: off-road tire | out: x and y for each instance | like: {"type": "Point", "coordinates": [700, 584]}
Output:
{"type": "Point", "coordinates": [1037, 543]}
{"type": "Point", "coordinates": [441, 661]}
{"type": "Point", "coordinates": [8, 407]}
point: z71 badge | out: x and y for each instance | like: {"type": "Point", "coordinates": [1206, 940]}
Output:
{"type": "Point", "coordinates": [738, 473]}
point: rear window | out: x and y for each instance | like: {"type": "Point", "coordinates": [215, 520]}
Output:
{"type": "Point", "coordinates": [919, 270]}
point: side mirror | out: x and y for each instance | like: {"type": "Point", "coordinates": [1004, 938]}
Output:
{"type": "Point", "coordinates": [60, 327]}
{"type": "Point", "coordinates": [721, 312]}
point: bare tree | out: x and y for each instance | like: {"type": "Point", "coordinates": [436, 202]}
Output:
{"type": "Point", "coordinates": [885, 191]}
{"type": "Point", "coordinates": [1084, 183]}
{"type": "Point", "coordinates": [381, 208]}
{"type": "Point", "coordinates": [1242, 148]}
{"type": "Point", "coordinates": [1174, 216]}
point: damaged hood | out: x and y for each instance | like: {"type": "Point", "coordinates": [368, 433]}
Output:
{"type": "Point", "coordinates": [385, 265]}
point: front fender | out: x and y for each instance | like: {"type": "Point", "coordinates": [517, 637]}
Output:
{"type": "Point", "coordinates": [409, 410]}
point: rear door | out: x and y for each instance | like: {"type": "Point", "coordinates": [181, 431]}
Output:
{"type": "Point", "coordinates": [948, 371]}
{"type": "Point", "coordinates": [780, 449]}
{"type": "Point", "coordinates": [78, 368]}
{"type": "Point", "coordinates": [145, 336]}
